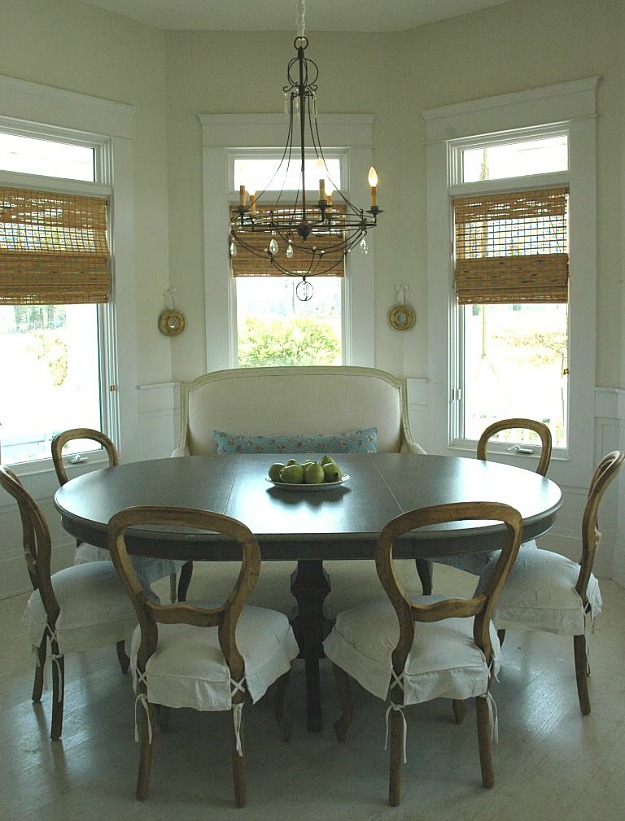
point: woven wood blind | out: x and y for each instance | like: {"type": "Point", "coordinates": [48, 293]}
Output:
{"type": "Point", "coordinates": [53, 248]}
{"type": "Point", "coordinates": [247, 264]}
{"type": "Point", "coordinates": [512, 247]}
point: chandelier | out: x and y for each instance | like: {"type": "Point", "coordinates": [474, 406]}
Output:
{"type": "Point", "coordinates": [304, 237]}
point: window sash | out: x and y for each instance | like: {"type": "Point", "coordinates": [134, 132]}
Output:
{"type": "Point", "coordinates": [53, 248]}
{"type": "Point", "coordinates": [512, 247]}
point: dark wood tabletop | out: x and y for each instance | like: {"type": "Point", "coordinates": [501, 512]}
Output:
{"type": "Point", "coordinates": [341, 523]}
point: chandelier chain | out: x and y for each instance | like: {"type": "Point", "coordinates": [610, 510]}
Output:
{"type": "Point", "coordinates": [300, 18]}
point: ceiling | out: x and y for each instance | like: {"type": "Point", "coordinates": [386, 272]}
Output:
{"type": "Point", "coordinates": [278, 15]}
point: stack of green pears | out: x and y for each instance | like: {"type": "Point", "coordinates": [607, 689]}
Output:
{"type": "Point", "coordinates": [306, 473]}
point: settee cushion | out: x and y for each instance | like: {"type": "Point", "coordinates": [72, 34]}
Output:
{"type": "Point", "coordinates": [353, 441]}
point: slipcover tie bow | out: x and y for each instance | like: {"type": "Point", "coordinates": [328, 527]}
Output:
{"type": "Point", "coordinates": [492, 715]}
{"type": "Point", "coordinates": [397, 681]}
{"type": "Point", "coordinates": [589, 628]}
{"type": "Point", "coordinates": [237, 712]}
{"type": "Point", "coordinates": [56, 659]}
{"type": "Point", "coordinates": [142, 701]}
{"type": "Point", "coordinates": [589, 617]}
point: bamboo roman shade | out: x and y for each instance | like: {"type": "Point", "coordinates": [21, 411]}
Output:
{"type": "Point", "coordinates": [53, 248]}
{"type": "Point", "coordinates": [246, 264]}
{"type": "Point", "coordinates": [512, 247]}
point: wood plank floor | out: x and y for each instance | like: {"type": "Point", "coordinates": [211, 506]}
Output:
{"type": "Point", "coordinates": [550, 763]}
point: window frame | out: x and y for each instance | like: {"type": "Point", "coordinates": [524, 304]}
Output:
{"type": "Point", "coordinates": [457, 315]}
{"type": "Point", "coordinates": [348, 136]}
{"type": "Point", "coordinates": [567, 106]}
{"type": "Point", "coordinates": [38, 111]}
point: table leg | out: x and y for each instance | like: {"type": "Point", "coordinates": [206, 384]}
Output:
{"type": "Point", "coordinates": [310, 585]}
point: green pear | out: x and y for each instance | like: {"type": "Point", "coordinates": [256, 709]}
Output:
{"type": "Point", "coordinates": [274, 471]}
{"type": "Point", "coordinates": [325, 460]}
{"type": "Point", "coordinates": [292, 462]}
{"type": "Point", "coordinates": [292, 474]}
{"type": "Point", "coordinates": [332, 472]}
{"type": "Point", "coordinates": [314, 474]}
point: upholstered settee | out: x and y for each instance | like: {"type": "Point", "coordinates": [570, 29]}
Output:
{"type": "Point", "coordinates": [286, 409]}
{"type": "Point", "coordinates": [252, 403]}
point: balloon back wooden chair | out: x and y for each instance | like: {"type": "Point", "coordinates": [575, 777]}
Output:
{"type": "Point", "coordinates": [210, 656]}
{"type": "Point", "coordinates": [476, 562]}
{"type": "Point", "coordinates": [546, 591]}
{"type": "Point", "coordinates": [76, 609]}
{"type": "Point", "coordinates": [148, 569]}
{"type": "Point", "coordinates": [412, 651]}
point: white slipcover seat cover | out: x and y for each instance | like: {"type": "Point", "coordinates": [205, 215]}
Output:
{"type": "Point", "coordinates": [188, 668]}
{"type": "Point", "coordinates": [475, 563]}
{"type": "Point", "coordinates": [444, 661]}
{"type": "Point", "coordinates": [95, 610]}
{"type": "Point", "coordinates": [148, 569]}
{"type": "Point", "coordinates": [540, 594]}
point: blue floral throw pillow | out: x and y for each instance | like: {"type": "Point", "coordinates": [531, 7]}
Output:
{"type": "Point", "coordinates": [353, 441]}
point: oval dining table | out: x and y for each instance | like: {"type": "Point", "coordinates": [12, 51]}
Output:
{"type": "Point", "coordinates": [311, 525]}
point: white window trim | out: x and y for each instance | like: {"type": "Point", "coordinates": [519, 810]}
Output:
{"type": "Point", "coordinates": [352, 134]}
{"type": "Point", "coordinates": [573, 104]}
{"type": "Point", "coordinates": [38, 109]}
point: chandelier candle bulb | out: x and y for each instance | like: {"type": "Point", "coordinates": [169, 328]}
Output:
{"type": "Point", "coordinates": [242, 195]}
{"type": "Point", "coordinates": [373, 184]}
{"type": "Point", "coordinates": [322, 189]}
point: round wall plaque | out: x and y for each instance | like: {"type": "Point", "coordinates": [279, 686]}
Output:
{"type": "Point", "coordinates": [401, 317]}
{"type": "Point", "coordinates": [171, 322]}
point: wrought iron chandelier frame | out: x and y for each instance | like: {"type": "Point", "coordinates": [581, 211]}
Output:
{"type": "Point", "coordinates": [317, 234]}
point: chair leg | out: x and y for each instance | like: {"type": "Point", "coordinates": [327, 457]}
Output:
{"type": "Point", "coordinates": [238, 767]}
{"type": "Point", "coordinates": [163, 714]}
{"type": "Point", "coordinates": [581, 673]}
{"type": "Point", "coordinates": [396, 757]}
{"type": "Point", "coordinates": [460, 710]}
{"type": "Point", "coordinates": [284, 720]}
{"type": "Point", "coordinates": [424, 570]}
{"type": "Point", "coordinates": [122, 657]}
{"type": "Point", "coordinates": [172, 588]}
{"type": "Point", "coordinates": [484, 733]}
{"type": "Point", "coordinates": [341, 725]}
{"type": "Point", "coordinates": [186, 571]}
{"type": "Point", "coordinates": [145, 752]}
{"type": "Point", "coordinates": [58, 687]}
{"type": "Point", "coordinates": [40, 669]}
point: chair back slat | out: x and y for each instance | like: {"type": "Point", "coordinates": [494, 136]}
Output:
{"type": "Point", "coordinates": [36, 541]}
{"type": "Point", "coordinates": [61, 439]}
{"type": "Point", "coordinates": [150, 613]}
{"type": "Point", "coordinates": [478, 606]}
{"type": "Point", "coordinates": [520, 423]}
{"type": "Point", "coordinates": [605, 472]}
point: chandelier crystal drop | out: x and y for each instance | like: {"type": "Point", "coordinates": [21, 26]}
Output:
{"type": "Point", "coordinates": [298, 236]}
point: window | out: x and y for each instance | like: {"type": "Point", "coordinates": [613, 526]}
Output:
{"type": "Point", "coordinates": [274, 326]}
{"type": "Point", "coordinates": [54, 285]}
{"type": "Point", "coordinates": [535, 357]}
{"type": "Point", "coordinates": [349, 307]}
{"type": "Point", "coordinates": [511, 285]}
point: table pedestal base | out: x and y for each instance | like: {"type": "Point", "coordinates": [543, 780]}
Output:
{"type": "Point", "coordinates": [310, 584]}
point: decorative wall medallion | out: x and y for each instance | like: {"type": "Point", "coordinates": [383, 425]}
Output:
{"type": "Point", "coordinates": [401, 317]}
{"type": "Point", "coordinates": [171, 322]}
